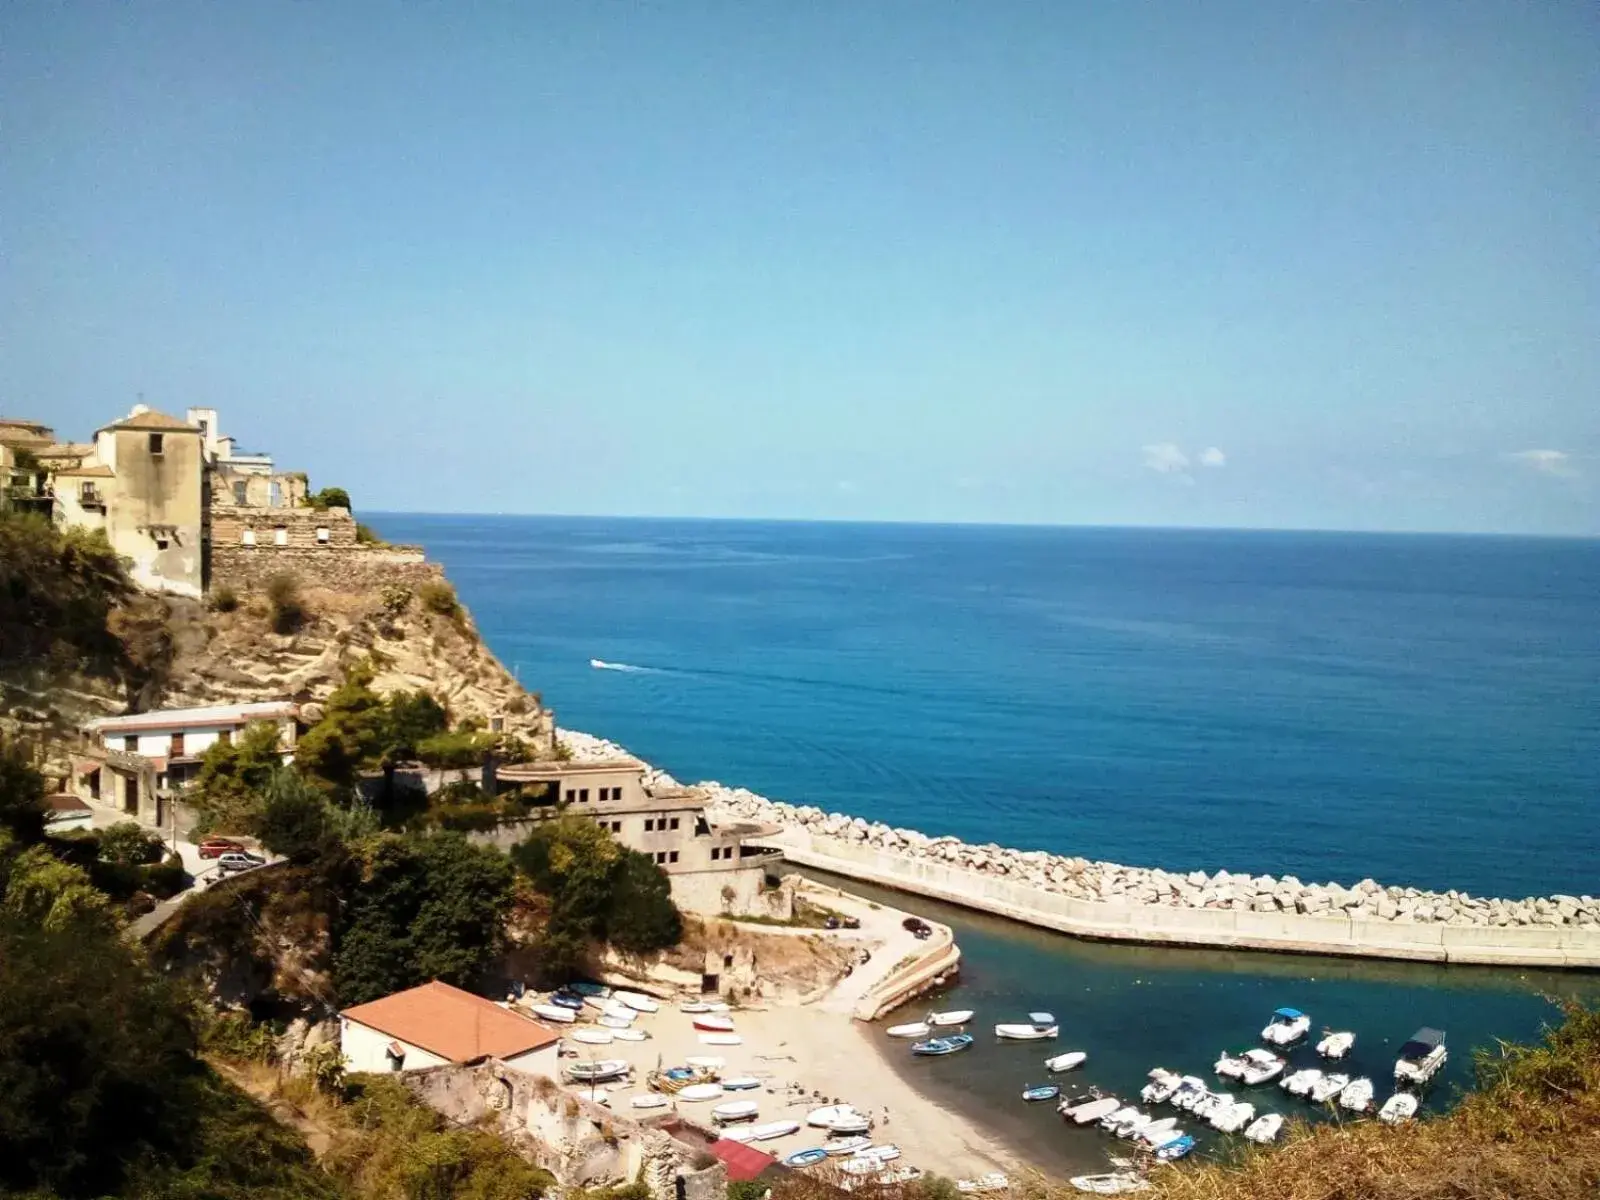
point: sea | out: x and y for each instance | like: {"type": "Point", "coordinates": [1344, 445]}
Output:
{"type": "Point", "coordinates": [1420, 710]}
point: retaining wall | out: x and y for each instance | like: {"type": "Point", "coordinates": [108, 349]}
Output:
{"type": "Point", "coordinates": [1518, 945]}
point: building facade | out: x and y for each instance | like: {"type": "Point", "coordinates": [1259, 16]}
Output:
{"type": "Point", "coordinates": [434, 1025]}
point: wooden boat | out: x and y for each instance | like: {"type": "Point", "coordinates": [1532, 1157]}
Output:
{"type": "Point", "coordinates": [735, 1111]}
{"type": "Point", "coordinates": [696, 1092]}
{"type": "Point", "coordinates": [956, 1016]}
{"type": "Point", "coordinates": [917, 1029]}
{"type": "Point", "coordinates": [592, 1037]}
{"type": "Point", "coordinates": [637, 1001]}
{"type": "Point", "coordinates": [741, 1083]}
{"type": "Point", "coordinates": [765, 1133]}
{"type": "Point", "coordinates": [1040, 1025]}
{"type": "Point", "coordinates": [713, 1023]}
{"type": "Point", "coordinates": [554, 1013]}
{"type": "Point", "coordinates": [597, 1072]}
{"type": "Point", "coordinates": [1035, 1094]}
{"type": "Point", "coordinates": [649, 1100]}
{"type": "Point", "coordinates": [936, 1047]}
{"type": "Point", "coordinates": [1066, 1062]}
{"type": "Point", "coordinates": [1172, 1151]}
{"type": "Point", "coordinates": [809, 1157]}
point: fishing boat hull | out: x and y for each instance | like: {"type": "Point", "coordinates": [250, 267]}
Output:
{"type": "Point", "coordinates": [918, 1029]}
{"type": "Point", "coordinates": [1066, 1062]}
{"type": "Point", "coordinates": [1034, 1095]}
{"type": "Point", "coordinates": [592, 1037]}
{"type": "Point", "coordinates": [713, 1023]}
{"type": "Point", "coordinates": [945, 1020]}
{"type": "Point", "coordinates": [700, 1092]}
{"type": "Point", "coordinates": [1026, 1033]}
{"type": "Point", "coordinates": [808, 1157]}
{"type": "Point", "coordinates": [721, 1039]}
{"type": "Point", "coordinates": [735, 1112]}
{"type": "Point", "coordinates": [638, 1002]}
{"type": "Point", "coordinates": [554, 1013]}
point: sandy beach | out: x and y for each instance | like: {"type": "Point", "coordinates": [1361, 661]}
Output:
{"type": "Point", "coordinates": [814, 1054]}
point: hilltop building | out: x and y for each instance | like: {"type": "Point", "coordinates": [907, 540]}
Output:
{"type": "Point", "coordinates": [436, 1024]}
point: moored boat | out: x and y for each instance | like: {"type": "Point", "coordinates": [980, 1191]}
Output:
{"type": "Point", "coordinates": [916, 1029]}
{"type": "Point", "coordinates": [1234, 1117]}
{"type": "Point", "coordinates": [956, 1016]}
{"type": "Point", "coordinates": [1229, 1066]}
{"type": "Point", "coordinates": [1335, 1045]}
{"type": "Point", "coordinates": [1259, 1066]}
{"type": "Point", "coordinates": [1189, 1092]}
{"type": "Point", "coordinates": [1265, 1128]}
{"type": "Point", "coordinates": [885, 1152]}
{"type": "Point", "coordinates": [936, 1047]}
{"type": "Point", "coordinates": [1163, 1083]}
{"type": "Point", "coordinates": [1093, 1110]}
{"type": "Point", "coordinates": [567, 1000]}
{"type": "Point", "coordinates": [705, 1062]}
{"type": "Point", "coordinates": [1046, 1092]}
{"type": "Point", "coordinates": [1040, 1025]}
{"type": "Point", "coordinates": [1301, 1082]}
{"type": "Point", "coordinates": [1158, 1132]}
{"type": "Point", "coordinates": [1175, 1149]}
{"type": "Point", "coordinates": [1066, 1062]}
{"type": "Point", "coordinates": [1288, 1026]}
{"type": "Point", "coordinates": [1398, 1108]}
{"type": "Point", "coordinates": [1356, 1096]}
{"type": "Point", "coordinates": [1421, 1058]}
{"type": "Point", "coordinates": [1326, 1088]}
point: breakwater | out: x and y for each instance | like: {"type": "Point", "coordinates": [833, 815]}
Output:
{"type": "Point", "coordinates": [1222, 909]}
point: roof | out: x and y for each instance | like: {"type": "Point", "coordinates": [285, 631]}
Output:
{"type": "Point", "coordinates": [553, 769]}
{"type": "Point", "coordinates": [151, 419]}
{"type": "Point", "coordinates": [451, 1023]}
{"type": "Point", "coordinates": [23, 423]}
{"type": "Point", "coordinates": [65, 450]}
{"type": "Point", "coordinates": [1424, 1037]}
{"type": "Point", "coordinates": [744, 1163]}
{"type": "Point", "coordinates": [1292, 1014]}
{"type": "Point", "coordinates": [89, 471]}
{"type": "Point", "coordinates": [180, 718]}
{"type": "Point", "coordinates": [64, 803]}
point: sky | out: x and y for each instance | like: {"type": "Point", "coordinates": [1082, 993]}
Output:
{"type": "Point", "coordinates": [1275, 264]}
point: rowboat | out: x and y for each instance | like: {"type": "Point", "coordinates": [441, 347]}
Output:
{"type": "Point", "coordinates": [917, 1029]}
{"type": "Point", "coordinates": [597, 1072]}
{"type": "Point", "coordinates": [935, 1047]}
{"type": "Point", "coordinates": [737, 1110]}
{"type": "Point", "coordinates": [615, 1021]}
{"type": "Point", "coordinates": [887, 1152]}
{"type": "Point", "coordinates": [1175, 1149]}
{"type": "Point", "coordinates": [638, 1002]}
{"type": "Point", "coordinates": [713, 1023]}
{"type": "Point", "coordinates": [553, 1012]}
{"type": "Point", "coordinates": [765, 1133]}
{"type": "Point", "coordinates": [592, 1037]}
{"type": "Point", "coordinates": [567, 1000]}
{"type": "Point", "coordinates": [741, 1083]}
{"type": "Point", "coordinates": [694, 1006]}
{"type": "Point", "coordinates": [649, 1100]}
{"type": "Point", "coordinates": [848, 1145]}
{"type": "Point", "coordinates": [584, 988]}
{"type": "Point", "coordinates": [809, 1157]}
{"type": "Point", "coordinates": [721, 1039]}
{"type": "Point", "coordinates": [1066, 1062]}
{"type": "Point", "coordinates": [851, 1124]}
{"type": "Point", "coordinates": [823, 1118]}
{"type": "Point", "coordinates": [700, 1091]}
{"type": "Point", "coordinates": [1035, 1094]}
{"type": "Point", "coordinates": [629, 1035]}
{"type": "Point", "coordinates": [956, 1016]}
{"type": "Point", "coordinates": [615, 1008]}
{"type": "Point", "coordinates": [1040, 1025]}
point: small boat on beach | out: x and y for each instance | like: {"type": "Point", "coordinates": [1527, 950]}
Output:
{"type": "Point", "coordinates": [886, 1152]}
{"type": "Point", "coordinates": [1421, 1058]}
{"type": "Point", "coordinates": [593, 1037]}
{"type": "Point", "coordinates": [630, 1035]}
{"type": "Point", "coordinates": [937, 1047]}
{"type": "Point", "coordinates": [735, 1111]}
{"type": "Point", "coordinates": [763, 1133]}
{"type": "Point", "coordinates": [721, 1039]}
{"type": "Point", "coordinates": [1035, 1094]}
{"type": "Point", "coordinates": [694, 1006]}
{"type": "Point", "coordinates": [1326, 1088]}
{"type": "Point", "coordinates": [585, 988]}
{"type": "Point", "coordinates": [615, 1021]}
{"type": "Point", "coordinates": [713, 1023]}
{"type": "Point", "coordinates": [1301, 1082]}
{"type": "Point", "coordinates": [1114, 1183]}
{"type": "Point", "coordinates": [597, 1072]}
{"type": "Point", "coordinates": [1288, 1026]}
{"type": "Point", "coordinates": [994, 1181]}
{"type": "Point", "coordinates": [569, 1000]}
{"type": "Point", "coordinates": [1335, 1045]}
{"type": "Point", "coordinates": [1163, 1083]}
{"type": "Point", "coordinates": [916, 1029]}
{"type": "Point", "coordinates": [1398, 1109]}
{"type": "Point", "coordinates": [649, 1100]}
{"type": "Point", "coordinates": [697, 1092]}
{"type": "Point", "coordinates": [1265, 1129]}
{"type": "Point", "coordinates": [717, 1006]}
{"type": "Point", "coordinates": [821, 1118]}
{"type": "Point", "coordinates": [741, 1083]}
{"type": "Point", "coordinates": [553, 1012]}
{"type": "Point", "coordinates": [1356, 1096]}
{"type": "Point", "coordinates": [837, 1147]}
{"type": "Point", "coordinates": [706, 1062]}
{"type": "Point", "coordinates": [956, 1016]}
{"type": "Point", "coordinates": [638, 1001]}
{"type": "Point", "coordinates": [850, 1124]}
{"type": "Point", "coordinates": [1040, 1025]}
{"type": "Point", "coordinates": [1067, 1061]}
{"type": "Point", "coordinates": [1091, 1111]}
{"type": "Point", "coordinates": [809, 1157]}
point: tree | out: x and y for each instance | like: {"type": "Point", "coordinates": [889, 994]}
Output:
{"type": "Point", "coordinates": [421, 907]}
{"type": "Point", "coordinates": [295, 820]}
{"type": "Point", "coordinates": [352, 733]}
{"type": "Point", "coordinates": [21, 794]}
{"type": "Point", "coordinates": [44, 892]}
{"type": "Point", "coordinates": [640, 916]}
{"type": "Point", "coordinates": [330, 497]}
{"type": "Point", "coordinates": [227, 790]}
{"type": "Point", "coordinates": [413, 718]}
{"type": "Point", "coordinates": [127, 844]}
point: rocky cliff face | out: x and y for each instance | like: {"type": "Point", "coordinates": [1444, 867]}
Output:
{"type": "Point", "coordinates": [227, 657]}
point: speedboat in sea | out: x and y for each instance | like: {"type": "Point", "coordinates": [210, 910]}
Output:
{"type": "Point", "coordinates": [916, 1029]}
{"type": "Point", "coordinates": [1301, 1082]}
{"type": "Point", "coordinates": [1040, 1025]}
{"type": "Point", "coordinates": [1163, 1083]}
{"type": "Point", "coordinates": [956, 1016]}
{"type": "Point", "coordinates": [1190, 1091]}
{"type": "Point", "coordinates": [1229, 1066]}
{"type": "Point", "coordinates": [1357, 1096]}
{"type": "Point", "coordinates": [1114, 1183]}
{"type": "Point", "coordinates": [994, 1181]}
{"type": "Point", "coordinates": [939, 1046]}
{"type": "Point", "coordinates": [1260, 1066]}
{"type": "Point", "coordinates": [1065, 1062]}
{"type": "Point", "coordinates": [1335, 1045]}
{"type": "Point", "coordinates": [1421, 1058]}
{"type": "Point", "coordinates": [1234, 1117]}
{"type": "Point", "coordinates": [1398, 1108]}
{"type": "Point", "coordinates": [1265, 1129]}
{"type": "Point", "coordinates": [1047, 1092]}
{"type": "Point", "coordinates": [1288, 1026]}
{"type": "Point", "coordinates": [1329, 1086]}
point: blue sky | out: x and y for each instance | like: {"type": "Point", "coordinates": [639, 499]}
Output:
{"type": "Point", "coordinates": [1271, 264]}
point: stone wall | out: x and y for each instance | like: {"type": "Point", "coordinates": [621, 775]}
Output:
{"type": "Point", "coordinates": [350, 568]}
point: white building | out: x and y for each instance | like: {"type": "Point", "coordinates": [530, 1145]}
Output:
{"type": "Point", "coordinates": [435, 1024]}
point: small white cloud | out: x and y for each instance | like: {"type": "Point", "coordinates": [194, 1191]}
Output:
{"type": "Point", "coordinates": [1548, 462]}
{"type": "Point", "coordinates": [1166, 458]}
{"type": "Point", "coordinates": [1212, 456]}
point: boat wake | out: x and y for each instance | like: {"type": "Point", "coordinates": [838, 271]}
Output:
{"type": "Point", "coordinates": [600, 664]}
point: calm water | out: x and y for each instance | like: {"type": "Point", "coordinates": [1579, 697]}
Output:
{"type": "Point", "coordinates": [1422, 710]}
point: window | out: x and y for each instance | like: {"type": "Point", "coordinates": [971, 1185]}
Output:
{"type": "Point", "coordinates": [322, 535]}
{"type": "Point", "coordinates": [161, 543]}
{"type": "Point", "coordinates": [616, 827]}
{"type": "Point", "coordinates": [280, 535]}
{"type": "Point", "coordinates": [672, 824]}
{"type": "Point", "coordinates": [672, 856]}
{"type": "Point", "coordinates": [661, 857]}
{"type": "Point", "coordinates": [571, 795]}
{"type": "Point", "coordinates": [497, 724]}
{"type": "Point", "coordinates": [241, 495]}
{"type": "Point", "coordinates": [247, 538]}
{"type": "Point", "coordinates": [225, 737]}
{"type": "Point", "coordinates": [177, 746]}
{"type": "Point", "coordinates": [87, 494]}
{"type": "Point", "coordinates": [616, 793]}
{"type": "Point", "coordinates": [156, 441]}
{"type": "Point", "coordinates": [649, 825]}
{"type": "Point", "coordinates": [583, 795]}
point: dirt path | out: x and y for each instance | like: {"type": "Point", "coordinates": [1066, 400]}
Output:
{"type": "Point", "coordinates": [262, 1084]}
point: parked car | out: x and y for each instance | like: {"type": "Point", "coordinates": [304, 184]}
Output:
{"type": "Point", "coordinates": [239, 860]}
{"type": "Point", "coordinates": [216, 847]}
{"type": "Point", "coordinates": [917, 926]}
{"type": "Point", "coordinates": [831, 923]}
{"type": "Point", "coordinates": [851, 922]}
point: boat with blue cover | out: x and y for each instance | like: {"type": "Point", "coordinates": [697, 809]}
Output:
{"type": "Point", "coordinates": [1048, 1091]}
{"type": "Point", "coordinates": [934, 1047]}
{"type": "Point", "coordinates": [809, 1157]}
{"type": "Point", "coordinates": [1175, 1149]}
{"type": "Point", "coordinates": [1288, 1025]}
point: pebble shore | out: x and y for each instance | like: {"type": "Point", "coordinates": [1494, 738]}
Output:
{"type": "Point", "coordinates": [1084, 879]}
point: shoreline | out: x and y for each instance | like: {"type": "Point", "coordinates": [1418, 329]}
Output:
{"type": "Point", "coordinates": [1227, 910]}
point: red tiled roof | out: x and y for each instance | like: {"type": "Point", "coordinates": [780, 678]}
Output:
{"type": "Point", "coordinates": [743, 1162]}
{"type": "Point", "coordinates": [453, 1024]}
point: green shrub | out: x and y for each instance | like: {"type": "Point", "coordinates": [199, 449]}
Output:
{"type": "Point", "coordinates": [368, 536]}
{"type": "Point", "coordinates": [224, 599]}
{"type": "Point", "coordinates": [437, 596]}
{"type": "Point", "coordinates": [396, 598]}
{"type": "Point", "coordinates": [329, 497]}
{"type": "Point", "coordinates": [129, 844]}
{"type": "Point", "coordinates": [165, 879]}
{"type": "Point", "coordinates": [286, 612]}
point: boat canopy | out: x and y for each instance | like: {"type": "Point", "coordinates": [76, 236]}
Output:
{"type": "Point", "coordinates": [1423, 1042]}
{"type": "Point", "coordinates": [1289, 1014]}
{"type": "Point", "coordinates": [1041, 1018]}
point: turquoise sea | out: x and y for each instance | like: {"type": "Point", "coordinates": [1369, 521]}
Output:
{"type": "Point", "coordinates": [1418, 709]}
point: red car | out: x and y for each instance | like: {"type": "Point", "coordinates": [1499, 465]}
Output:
{"type": "Point", "coordinates": [217, 847]}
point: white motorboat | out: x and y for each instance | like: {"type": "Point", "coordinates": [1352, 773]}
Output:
{"type": "Point", "coordinates": [1190, 1092]}
{"type": "Point", "coordinates": [713, 1023]}
{"type": "Point", "coordinates": [1066, 1062]}
{"type": "Point", "coordinates": [615, 1020]}
{"type": "Point", "coordinates": [1336, 1045]}
{"type": "Point", "coordinates": [1115, 1183]}
{"type": "Point", "coordinates": [696, 1092]}
{"type": "Point", "coordinates": [650, 1100]}
{"type": "Point", "coordinates": [721, 1039]}
{"type": "Point", "coordinates": [553, 1012]}
{"type": "Point", "coordinates": [592, 1037]}
{"type": "Point", "coordinates": [837, 1147]}
{"type": "Point", "coordinates": [706, 1062]}
{"type": "Point", "coordinates": [1094, 1110]}
{"type": "Point", "coordinates": [917, 1029]}
{"type": "Point", "coordinates": [1158, 1133]}
{"type": "Point", "coordinates": [1288, 1026]}
{"type": "Point", "coordinates": [1265, 1129]}
{"type": "Point", "coordinates": [1209, 1106]}
{"type": "Point", "coordinates": [1230, 1066]}
{"type": "Point", "coordinates": [994, 1181]}
{"type": "Point", "coordinates": [1041, 1025]}
{"type": "Point", "coordinates": [630, 1035]}
{"type": "Point", "coordinates": [637, 1001]}
{"type": "Point", "coordinates": [1302, 1081]}
{"type": "Point", "coordinates": [1133, 1126]}
{"type": "Point", "coordinates": [850, 1124]}
{"type": "Point", "coordinates": [764, 1133]}
{"type": "Point", "coordinates": [1329, 1086]}
{"type": "Point", "coordinates": [822, 1118]}
{"type": "Point", "coordinates": [1233, 1118]}
{"type": "Point", "coordinates": [1421, 1058]}
{"type": "Point", "coordinates": [734, 1111]}
{"type": "Point", "coordinates": [956, 1016]}
{"type": "Point", "coordinates": [741, 1083]}
{"type": "Point", "coordinates": [1398, 1108]}
{"type": "Point", "coordinates": [1116, 1117]}
{"type": "Point", "coordinates": [1357, 1096]}
{"type": "Point", "coordinates": [1260, 1066]}
{"type": "Point", "coordinates": [857, 1164]}
{"type": "Point", "coordinates": [1163, 1083]}
{"type": "Point", "coordinates": [887, 1152]}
